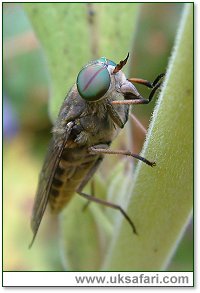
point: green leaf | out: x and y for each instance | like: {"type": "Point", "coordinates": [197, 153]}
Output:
{"type": "Point", "coordinates": [162, 197]}
{"type": "Point", "coordinates": [60, 33]}
{"type": "Point", "coordinates": [84, 232]}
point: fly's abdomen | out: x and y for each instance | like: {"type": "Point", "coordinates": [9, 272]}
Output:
{"type": "Point", "coordinates": [68, 176]}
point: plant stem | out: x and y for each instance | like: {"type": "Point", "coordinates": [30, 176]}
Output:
{"type": "Point", "coordinates": [162, 197]}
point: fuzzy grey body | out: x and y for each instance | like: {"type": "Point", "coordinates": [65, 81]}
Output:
{"type": "Point", "coordinates": [93, 124]}
{"type": "Point", "coordinates": [80, 126]}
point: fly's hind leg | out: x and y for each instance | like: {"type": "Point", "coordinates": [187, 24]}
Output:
{"type": "Point", "coordinates": [87, 179]}
{"type": "Point", "coordinates": [92, 194]}
{"type": "Point", "coordinates": [98, 200]}
{"type": "Point", "coordinates": [108, 204]}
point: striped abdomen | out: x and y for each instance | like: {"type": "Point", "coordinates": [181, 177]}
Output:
{"type": "Point", "coordinates": [72, 168]}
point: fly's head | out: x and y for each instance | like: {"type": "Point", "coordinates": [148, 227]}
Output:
{"type": "Point", "coordinates": [100, 78]}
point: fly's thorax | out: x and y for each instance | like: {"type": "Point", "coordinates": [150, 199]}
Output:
{"type": "Point", "coordinates": [95, 130]}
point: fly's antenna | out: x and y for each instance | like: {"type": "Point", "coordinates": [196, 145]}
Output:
{"type": "Point", "coordinates": [120, 65]}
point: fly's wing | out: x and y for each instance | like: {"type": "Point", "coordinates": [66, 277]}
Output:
{"type": "Point", "coordinates": [45, 180]}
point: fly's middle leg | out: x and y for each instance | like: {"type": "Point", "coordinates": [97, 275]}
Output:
{"type": "Point", "coordinates": [101, 149]}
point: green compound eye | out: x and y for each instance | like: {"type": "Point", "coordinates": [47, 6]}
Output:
{"type": "Point", "coordinates": [106, 61]}
{"type": "Point", "coordinates": [93, 82]}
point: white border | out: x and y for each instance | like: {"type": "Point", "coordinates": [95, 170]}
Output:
{"type": "Point", "coordinates": [110, 279]}
{"type": "Point", "coordinates": [36, 278]}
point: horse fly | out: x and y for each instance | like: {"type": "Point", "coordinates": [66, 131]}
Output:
{"type": "Point", "coordinates": [92, 114]}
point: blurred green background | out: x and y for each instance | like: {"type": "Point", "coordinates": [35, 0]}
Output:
{"type": "Point", "coordinates": [76, 33]}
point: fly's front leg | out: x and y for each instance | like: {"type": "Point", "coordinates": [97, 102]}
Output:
{"type": "Point", "coordinates": [103, 149]}
{"type": "Point", "coordinates": [146, 82]}
{"type": "Point", "coordinates": [138, 123]}
{"type": "Point", "coordinates": [131, 95]}
{"type": "Point", "coordinates": [115, 115]}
